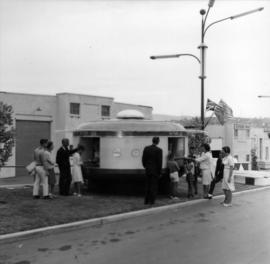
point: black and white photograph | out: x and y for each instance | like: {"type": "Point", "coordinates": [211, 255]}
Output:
{"type": "Point", "coordinates": [134, 131]}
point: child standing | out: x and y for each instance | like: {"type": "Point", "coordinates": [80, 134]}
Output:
{"type": "Point", "coordinates": [77, 177]}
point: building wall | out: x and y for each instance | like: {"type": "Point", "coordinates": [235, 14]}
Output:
{"type": "Point", "coordinates": [56, 110]}
{"type": "Point", "coordinates": [28, 107]}
{"type": "Point", "coordinates": [243, 141]}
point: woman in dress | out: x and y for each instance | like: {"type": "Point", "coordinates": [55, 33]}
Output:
{"type": "Point", "coordinates": [48, 165]}
{"type": "Point", "coordinates": [205, 161]}
{"type": "Point", "coordinates": [76, 171]}
{"type": "Point", "coordinates": [228, 177]}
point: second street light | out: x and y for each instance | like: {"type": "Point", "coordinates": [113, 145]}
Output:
{"type": "Point", "coordinates": [203, 48]}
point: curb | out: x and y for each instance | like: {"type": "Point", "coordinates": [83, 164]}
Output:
{"type": "Point", "coordinates": [14, 186]}
{"type": "Point", "coordinates": [112, 218]}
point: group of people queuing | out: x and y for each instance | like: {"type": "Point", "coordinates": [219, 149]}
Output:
{"type": "Point", "coordinates": [193, 166]}
{"type": "Point", "coordinates": [44, 169]}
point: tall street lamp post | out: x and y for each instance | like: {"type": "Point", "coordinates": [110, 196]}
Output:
{"type": "Point", "coordinates": [203, 48]}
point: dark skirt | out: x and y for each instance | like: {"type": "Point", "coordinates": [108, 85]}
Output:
{"type": "Point", "coordinates": [51, 177]}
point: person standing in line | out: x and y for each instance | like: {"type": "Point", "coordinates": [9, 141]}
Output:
{"type": "Point", "coordinates": [76, 171]}
{"type": "Point", "coordinates": [152, 162]}
{"type": "Point", "coordinates": [228, 177]}
{"type": "Point", "coordinates": [196, 170]}
{"type": "Point", "coordinates": [218, 175]}
{"type": "Point", "coordinates": [205, 165]}
{"type": "Point", "coordinates": [49, 167]}
{"type": "Point", "coordinates": [190, 168]}
{"type": "Point", "coordinates": [40, 174]}
{"type": "Point", "coordinates": [62, 159]}
{"type": "Point", "coordinates": [174, 177]}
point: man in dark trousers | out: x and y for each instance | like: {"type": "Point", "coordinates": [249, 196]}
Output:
{"type": "Point", "coordinates": [152, 162]}
{"type": "Point", "coordinates": [218, 176]}
{"type": "Point", "coordinates": [62, 159]}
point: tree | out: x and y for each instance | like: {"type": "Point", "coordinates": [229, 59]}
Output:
{"type": "Point", "coordinates": [6, 132]}
{"type": "Point", "coordinates": [196, 139]}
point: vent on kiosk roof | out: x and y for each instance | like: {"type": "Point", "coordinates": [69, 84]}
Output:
{"type": "Point", "coordinates": [130, 114]}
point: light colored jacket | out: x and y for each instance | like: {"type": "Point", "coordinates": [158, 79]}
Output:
{"type": "Point", "coordinates": [47, 160]}
{"type": "Point", "coordinates": [205, 161]}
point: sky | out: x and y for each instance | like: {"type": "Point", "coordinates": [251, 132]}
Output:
{"type": "Point", "coordinates": [103, 48]}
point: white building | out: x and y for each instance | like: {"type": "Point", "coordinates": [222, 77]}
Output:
{"type": "Point", "coordinates": [242, 139]}
{"type": "Point", "coordinates": [54, 117]}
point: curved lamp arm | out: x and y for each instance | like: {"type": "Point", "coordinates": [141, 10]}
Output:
{"type": "Point", "coordinates": [233, 17]}
{"type": "Point", "coordinates": [174, 56]}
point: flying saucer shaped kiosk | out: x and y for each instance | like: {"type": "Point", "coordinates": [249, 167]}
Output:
{"type": "Point", "coordinates": [113, 148]}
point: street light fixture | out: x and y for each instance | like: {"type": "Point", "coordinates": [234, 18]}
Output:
{"type": "Point", "coordinates": [264, 96]}
{"type": "Point", "coordinates": [203, 48]}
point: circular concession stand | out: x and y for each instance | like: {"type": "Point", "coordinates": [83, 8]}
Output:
{"type": "Point", "coordinates": [113, 148]}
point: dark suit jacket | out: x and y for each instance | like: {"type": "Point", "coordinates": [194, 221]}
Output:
{"type": "Point", "coordinates": [152, 160]}
{"type": "Point", "coordinates": [219, 169]}
{"type": "Point", "coordinates": [62, 158]}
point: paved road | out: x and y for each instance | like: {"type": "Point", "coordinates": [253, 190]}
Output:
{"type": "Point", "coordinates": [204, 233]}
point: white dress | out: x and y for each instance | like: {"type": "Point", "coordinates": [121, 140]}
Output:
{"type": "Point", "coordinates": [228, 162]}
{"type": "Point", "coordinates": [76, 170]}
{"type": "Point", "coordinates": [206, 166]}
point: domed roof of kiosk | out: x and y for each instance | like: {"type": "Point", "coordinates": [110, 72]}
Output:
{"type": "Point", "coordinates": [131, 121]}
{"type": "Point", "coordinates": [130, 114]}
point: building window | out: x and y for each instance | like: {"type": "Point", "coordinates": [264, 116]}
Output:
{"type": "Point", "coordinates": [266, 153]}
{"type": "Point", "coordinates": [74, 108]}
{"type": "Point", "coordinates": [248, 133]}
{"type": "Point", "coordinates": [235, 132]}
{"type": "Point", "coordinates": [247, 157]}
{"type": "Point", "coordinates": [105, 110]}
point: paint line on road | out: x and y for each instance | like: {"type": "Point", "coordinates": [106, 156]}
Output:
{"type": "Point", "coordinates": [117, 217]}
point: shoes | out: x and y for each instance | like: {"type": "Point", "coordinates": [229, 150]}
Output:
{"type": "Point", "coordinates": [79, 195]}
{"type": "Point", "coordinates": [174, 197]}
{"type": "Point", "coordinates": [36, 197]}
{"type": "Point", "coordinates": [75, 194]}
{"type": "Point", "coordinates": [210, 196]}
{"type": "Point", "coordinates": [227, 205]}
{"type": "Point", "coordinates": [47, 197]}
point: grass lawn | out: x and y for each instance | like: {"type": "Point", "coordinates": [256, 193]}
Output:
{"type": "Point", "coordinates": [18, 211]}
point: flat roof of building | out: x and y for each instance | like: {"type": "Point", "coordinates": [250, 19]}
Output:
{"type": "Point", "coordinates": [134, 104]}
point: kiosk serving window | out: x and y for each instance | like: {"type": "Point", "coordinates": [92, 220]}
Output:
{"type": "Point", "coordinates": [176, 145]}
{"type": "Point", "coordinates": [92, 151]}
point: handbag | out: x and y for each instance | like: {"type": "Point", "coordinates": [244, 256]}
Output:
{"type": "Point", "coordinates": [30, 167]}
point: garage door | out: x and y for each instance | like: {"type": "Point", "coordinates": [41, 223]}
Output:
{"type": "Point", "coordinates": [28, 134]}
